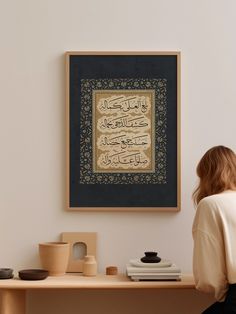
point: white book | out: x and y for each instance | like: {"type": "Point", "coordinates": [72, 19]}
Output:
{"type": "Point", "coordinates": [170, 269]}
{"type": "Point", "coordinates": [156, 277]}
{"type": "Point", "coordinates": [154, 274]}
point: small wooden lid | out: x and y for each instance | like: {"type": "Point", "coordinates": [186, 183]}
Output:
{"type": "Point", "coordinates": [111, 270]}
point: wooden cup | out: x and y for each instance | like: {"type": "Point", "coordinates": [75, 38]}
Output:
{"type": "Point", "coordinates": [54, 257]}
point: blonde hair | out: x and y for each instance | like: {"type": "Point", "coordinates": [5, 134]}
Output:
{"type": "Point", "coordinates": [216, 171]}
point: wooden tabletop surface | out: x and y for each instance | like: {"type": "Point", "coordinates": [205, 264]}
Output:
{"type": "Point", "coordinates": [101, 281]}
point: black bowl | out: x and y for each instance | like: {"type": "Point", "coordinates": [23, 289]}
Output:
{"type": "Point", "coordinates": [6, 273]}
{"type": "Point", "coordinates": [33, 274]}
{"type": "Point", "coordinates": [150, 257]}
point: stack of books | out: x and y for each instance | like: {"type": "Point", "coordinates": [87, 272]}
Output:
{"type": "Point", "coordinates": [164, 270]}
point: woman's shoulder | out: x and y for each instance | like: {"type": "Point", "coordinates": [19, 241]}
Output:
{"type": "Point", "coordinates": [211, 201]}
{"type": "Point", "coordinates": [212, 208]}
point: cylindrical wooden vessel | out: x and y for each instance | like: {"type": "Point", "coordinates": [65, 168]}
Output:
{"type": "Point", "coordinates": [54, 257]}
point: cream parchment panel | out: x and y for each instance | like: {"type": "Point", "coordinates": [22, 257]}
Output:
{"type": "Point", "coordinates": [123, 131]}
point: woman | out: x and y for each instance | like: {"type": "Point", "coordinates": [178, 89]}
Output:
{"type": "Point", "coordinates": [214, 229]}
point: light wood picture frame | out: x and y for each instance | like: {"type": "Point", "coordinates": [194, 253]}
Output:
{"type": "Point", "coordinates": [123, 131]}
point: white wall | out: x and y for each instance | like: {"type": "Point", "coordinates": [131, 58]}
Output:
{"type": "Point", "coordinates": [33, 38]}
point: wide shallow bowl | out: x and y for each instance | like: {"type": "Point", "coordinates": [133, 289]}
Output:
{"type": "Point", "coordinates": [33, 274]}
{"type": "Point", "coordinates": [6, 273]}
{"type": "Point", "coordinates": [163, 263]}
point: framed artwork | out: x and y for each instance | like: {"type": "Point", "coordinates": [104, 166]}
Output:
{"type": "Point", "coordinates": [123, 131]}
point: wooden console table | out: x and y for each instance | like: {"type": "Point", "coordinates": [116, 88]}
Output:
{"type": "Point", "coordinates": [13, 291]}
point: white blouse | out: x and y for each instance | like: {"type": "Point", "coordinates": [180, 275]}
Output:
{"type": "Point", "coordinates": [214, 235]}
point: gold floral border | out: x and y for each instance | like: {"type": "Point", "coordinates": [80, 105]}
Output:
{"type": "Point", "coordinates": [87, 176]}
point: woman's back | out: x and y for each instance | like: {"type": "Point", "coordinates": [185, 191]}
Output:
{"type": "Point", "coordinates": [214, 231]}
